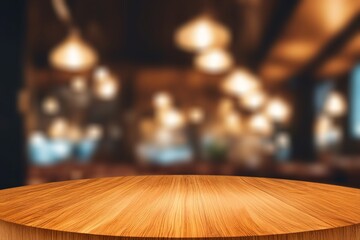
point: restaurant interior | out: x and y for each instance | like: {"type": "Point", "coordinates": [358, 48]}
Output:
{"type": "Point", "coordinates": [104, 88]}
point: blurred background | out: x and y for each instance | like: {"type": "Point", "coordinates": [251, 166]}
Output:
{"type": "Point", "coordinates": [101, 88]}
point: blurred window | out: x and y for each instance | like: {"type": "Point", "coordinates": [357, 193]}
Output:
{"type": "Point", "coordinates": [322, 90]}
{"type": "Point", "coordinates": [355, 102]}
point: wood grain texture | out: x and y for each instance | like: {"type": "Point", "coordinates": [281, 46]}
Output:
{"type": "Point", "coordinates": [180, 207]}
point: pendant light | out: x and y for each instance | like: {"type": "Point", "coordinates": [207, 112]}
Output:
{"type": "Point", "coordinates": [202, 33]}
{"type": "Point", "coordinates": [73, 54]}
{"type": "Point", "coordinates": [240, 82]}
{"type": "Point", "coordinates": [214, 61]}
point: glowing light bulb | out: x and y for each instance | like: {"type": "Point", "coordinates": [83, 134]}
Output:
{"type": "Point", "coordinates": [78, 84]}
{"type": "Point", "coordinates": [214, 61]}
{"type": "Point", "coordinates": [51, 106]}
{"type": "Point", "coordinates": [278, 110]}
{"type": "Point", "coordinates": [37, 138]}
{"type": "Point", "coordinates": [253, 100]}
{"type": "Point", "coordinates": [58, 128]}
{"type": "Point", "coordinates": [73, 54]}
{"type": "Point", "coordinates": [171, 119]}
{"type": "Point", "coordinates": [196, 115]}
{"type": "Point", "coordinates": [101, 73]}
{"type": "Point", "coordinates": [202, 33]}
{"type": "Point", "coordinates": [240, 82]}
{"type": "Point", "coordinates": [107, 90]}
{"type": "Point", "coordinates": [94, 132]}
{"type": "Point", "coordinates": [260, 124]}
{"type": "Point", "coordinates": [162, 100]}
{"type": "Point", "coordinates": [335, 105]}
{"type": "Point", "coordinates": [106, 85]}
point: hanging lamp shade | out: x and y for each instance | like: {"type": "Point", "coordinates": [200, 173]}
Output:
{"type": "Point", "coordinates": [73, 54]}
{"type": "Point", "coordinates": [240, 82]}
{"type": "Point", "coordinates": [214, 61]}
{"type": "Point", "coordinates": [202, 33]}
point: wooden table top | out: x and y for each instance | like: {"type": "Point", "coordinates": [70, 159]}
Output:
{"type": "Point", "coordinates": [180, 207]}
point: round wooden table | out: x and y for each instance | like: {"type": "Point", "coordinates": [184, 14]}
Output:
{"type": "Point", "coordinates": [180, 207]}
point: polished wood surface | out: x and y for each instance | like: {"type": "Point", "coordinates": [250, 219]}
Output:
{"type": "Point", "coordinates": [180, 207]}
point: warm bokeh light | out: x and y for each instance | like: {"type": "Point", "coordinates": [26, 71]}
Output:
{"type": "Point", "coordinates": [74, 133]}
{"type": "Point", "coordinates": [162, 100]}
{"type": "Point", "coordinates": [78, 84]}
{"type": "Point", "coordinates": [202, 33]}
{"type": "Point", "coordinates": [335, 104]}
{"type": "Point", "coordinates": [283, 140]}
{"type": "Point", "coordinates": [106, 86]}
{"type": "Point", "coordinates": [171, 119]}
{"type": "Point", "coordinates": [240, 82]}
{"type": "Point", "coordinates": [238, 87]}
{"type": "Point", "coordinates": [37, 138]}
{"type": "Point", "coordinates": [327, 133]}
{"type": "Point", "coordinates": [73, 54]}
{"type": "Point", "coordinates": [253, 100]}
{"type": "Point", "coordinates": [260, 124]}
{"type": "Point", "coordinates": [278, 110]}
{"type": "Point", "coordinates": [51, 106]}
{"type": "Point", "coordinates": [58, 128]}
{"type": "Point", "coordinates": [107, 90]}
{"type": "Point", "coordinates": [322, 124]}
{"type": "Point", "coordinates": [94, 132]}
{"type": "Point", "coordinates": [101, 73]}
{"type": "Point", "coordinates": [215, 60]}
{"type": "Point", "coordinates": [196, 115]}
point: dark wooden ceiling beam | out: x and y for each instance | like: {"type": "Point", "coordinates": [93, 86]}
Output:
{"type": "Point", "coordinates": [282, 11]}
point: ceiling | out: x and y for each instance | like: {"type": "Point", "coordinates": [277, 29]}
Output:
{"type": "Point", "coordinates": [274, 37]}
{"type": "Point", "coordinates": [312, 26]}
